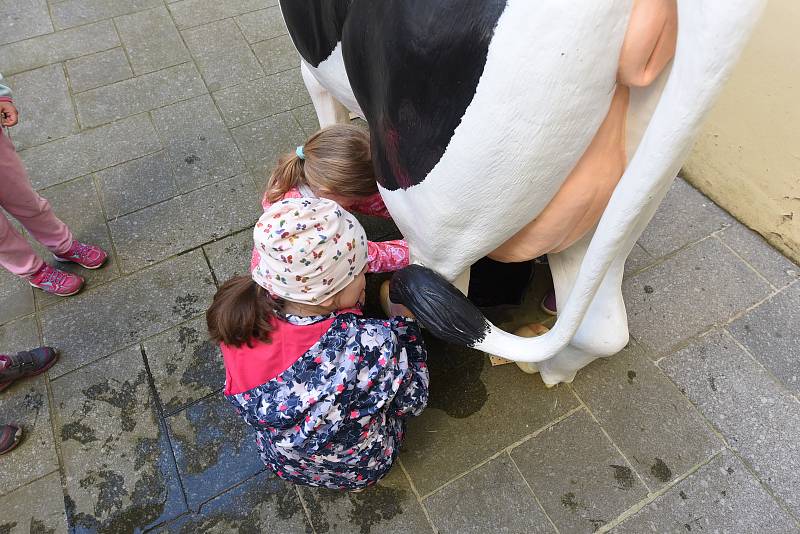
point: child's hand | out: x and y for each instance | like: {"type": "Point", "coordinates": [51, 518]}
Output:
{"type": "Point", "coordinates": [390, 308]}
{"type": "Point", "coordinates": [8, 114]}
{"type": "Point", "coordinates": [400, 310]}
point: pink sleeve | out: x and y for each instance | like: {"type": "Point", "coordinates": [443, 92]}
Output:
{"type": "Point", "coordinates": [371, 205]}
{"type": "Point", "coordinates": [387, 256]}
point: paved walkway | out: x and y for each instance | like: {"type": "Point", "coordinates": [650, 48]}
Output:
{"type": "Point", "coordinates": [148, 124]}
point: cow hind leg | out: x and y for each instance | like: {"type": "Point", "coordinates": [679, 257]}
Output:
{"type": "Point", "coordinates": [329, 110]}
{"type": "Point", "coordinates": [604, 329]}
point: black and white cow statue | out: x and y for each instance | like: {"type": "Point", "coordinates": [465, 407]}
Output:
{"type": "Point", "coordinates": [516, 128]}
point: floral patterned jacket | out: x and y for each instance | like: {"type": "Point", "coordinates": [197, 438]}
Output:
{"type": "Point", "coordinates": [336, 416]}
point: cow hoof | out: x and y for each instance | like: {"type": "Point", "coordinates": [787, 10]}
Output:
{"type": "Point", "coordinates": [531, 330]}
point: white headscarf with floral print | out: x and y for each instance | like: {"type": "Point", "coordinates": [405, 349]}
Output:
{"type": "Point", "coordinates": [310, 248]}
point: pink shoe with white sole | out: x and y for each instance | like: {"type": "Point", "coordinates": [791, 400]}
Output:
{"type": "Point", "coordinates": [56, 282]}
{"type": "Point", "coordinates": [87, 256]}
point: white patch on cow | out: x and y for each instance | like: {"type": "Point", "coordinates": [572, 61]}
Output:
{"type": "Point", "coordinates": [537, 107]}
{"type": "Point", "coordinates": [332, 75]}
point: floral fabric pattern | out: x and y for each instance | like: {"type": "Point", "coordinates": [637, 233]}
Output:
{"type": "Point", "coordinates": [384, 256]}
{"type": "Point", "coordinates": [336, 417]}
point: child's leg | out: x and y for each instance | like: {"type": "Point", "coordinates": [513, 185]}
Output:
{"type": "Point", "coordinates": [16, 254]}
{"type": "Point", "coordinates": [34, 212]}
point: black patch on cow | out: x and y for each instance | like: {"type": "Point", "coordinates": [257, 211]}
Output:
{"type": "Point", "coordinates": [414, 66]}
{"type": "Point", "coordinates": [438, 305]}
{"type": "Point", "coordinates": [315, 26]}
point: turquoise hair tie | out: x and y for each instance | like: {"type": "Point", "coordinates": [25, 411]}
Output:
{"type": "Point", "coordinates": [299, 152]}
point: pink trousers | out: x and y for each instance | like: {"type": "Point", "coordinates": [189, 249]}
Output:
{"type": "Point", "coordinates": [18, 198]}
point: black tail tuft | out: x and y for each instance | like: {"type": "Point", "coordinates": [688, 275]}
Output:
{"type": "Point", "coordinates": [438, 305]}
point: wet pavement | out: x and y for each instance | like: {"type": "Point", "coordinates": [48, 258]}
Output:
{"type": "Point", "coordinates": [149, 125]}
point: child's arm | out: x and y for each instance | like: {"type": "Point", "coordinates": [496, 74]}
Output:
{"type": "Point", "coordinates": [387, 256]}
{"type": "Point", "coordinates": [371, 205]}
{"type": "Point", "coordinates": [412, 396]}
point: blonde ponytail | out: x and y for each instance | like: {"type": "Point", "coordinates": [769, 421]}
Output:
{"type": "Point", "coordinates": [286, 175]}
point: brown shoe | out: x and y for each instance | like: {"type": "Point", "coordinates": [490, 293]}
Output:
{"type": "Point", "coordinates": [10, 436]}
{"type": "Point", "coordinates": [26, 363]}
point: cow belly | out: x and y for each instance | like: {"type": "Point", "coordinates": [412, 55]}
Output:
{"type": "Point", "coordinates": [582, 198]}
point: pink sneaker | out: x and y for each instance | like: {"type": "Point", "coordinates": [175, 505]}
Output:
{"type": "Point", "coordinates": [87, 256]}
{"type": "Point", "coordinates": [548, 304]}
{"type": "Point", "coordinates": [56, 282]}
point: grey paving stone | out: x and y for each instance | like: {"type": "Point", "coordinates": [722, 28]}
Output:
{"type": "Point", "coordinates": [307, 117]}
{"type": "Point", "coordinates": [89, 151]}
{"type": "Point", "coordinates": [578, 476]}
{"type": "Point", "coordinates": [261, 25]}
{"type": "Point", "coordinates": [759, 419]}
{"type": "Point", "coordinates": [720, 497]}
{"type": "Point", "coordinates": [184, 222]}
{"type": "Point", "coordinates": [37, 507]}
{"type": "Point", "coordinates": [96, 323]}
{"type": "Point", "coordinates": [96, 70]}
{"type": "Point", "coordinates": [22, 334]}
{"type": "Point", "coordinates": [703, 285]}
{"type": "Point", "coordinates": [261, 142]}
{"type": "Point", "coordinates": [684, 216]}
{"type": "Point", "coordinates": [389, 507]}
{"type": "Point", "coordinates": [19, 22]}
{"type": "Point", "coordinates": [277, 54]}
{"type": "Point", "coordinates": [116, 458]}
{"type": "Point", "coordinates": [200, 148]}
{"type": "Point", "coordinates": [653, 425]}
{"type": "Point", "coordinates": [58, 46]}
{"type": "Point", "coordinates": [190, 13]}
{"type": "Point", "coordinates": [45, 108]}
{"type": "Point", "coordinates": [262, 504]}
{"type": "Point", "coordinates": [214, 449]}
{"type": "Point", "coordinates": [772, 265]}
{"type": "Point", "coordinates": [143, 93]}
{"type": "Point", "coordinates": [76, 204]}
{"type": "Point", "coordinates": [222, 54]}
{"type": "Point", "coordinates": [184, 364]}
{"type": "Point", "coordinates": [136, 184]}
{"type": "Point", "coordinates": [25, 403]}
{"type": "Point", "coordinates": [471, 414]}
{"type": "Point", "coordinates": [771, 332]}
{"type": "Point", "coordinates": [78, 12]}
{"type": "Point", "coordinates": [151, 40]}
{"type": "Point", "coordinates": [493, 498]}
{"type": "Point", "coordinates": [637, 260]}
{"type": "Point", "coordinates": [261, 98]}
{"type": "Point", "coordinates": [16, 297]}
{"type": "Point", "coordinates": [230, 257]}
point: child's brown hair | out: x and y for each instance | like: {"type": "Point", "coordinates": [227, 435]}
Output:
{"type": "Point", "coordinates": [335, 160]}
{"type": "Point", "coordinates": [240, 313]}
